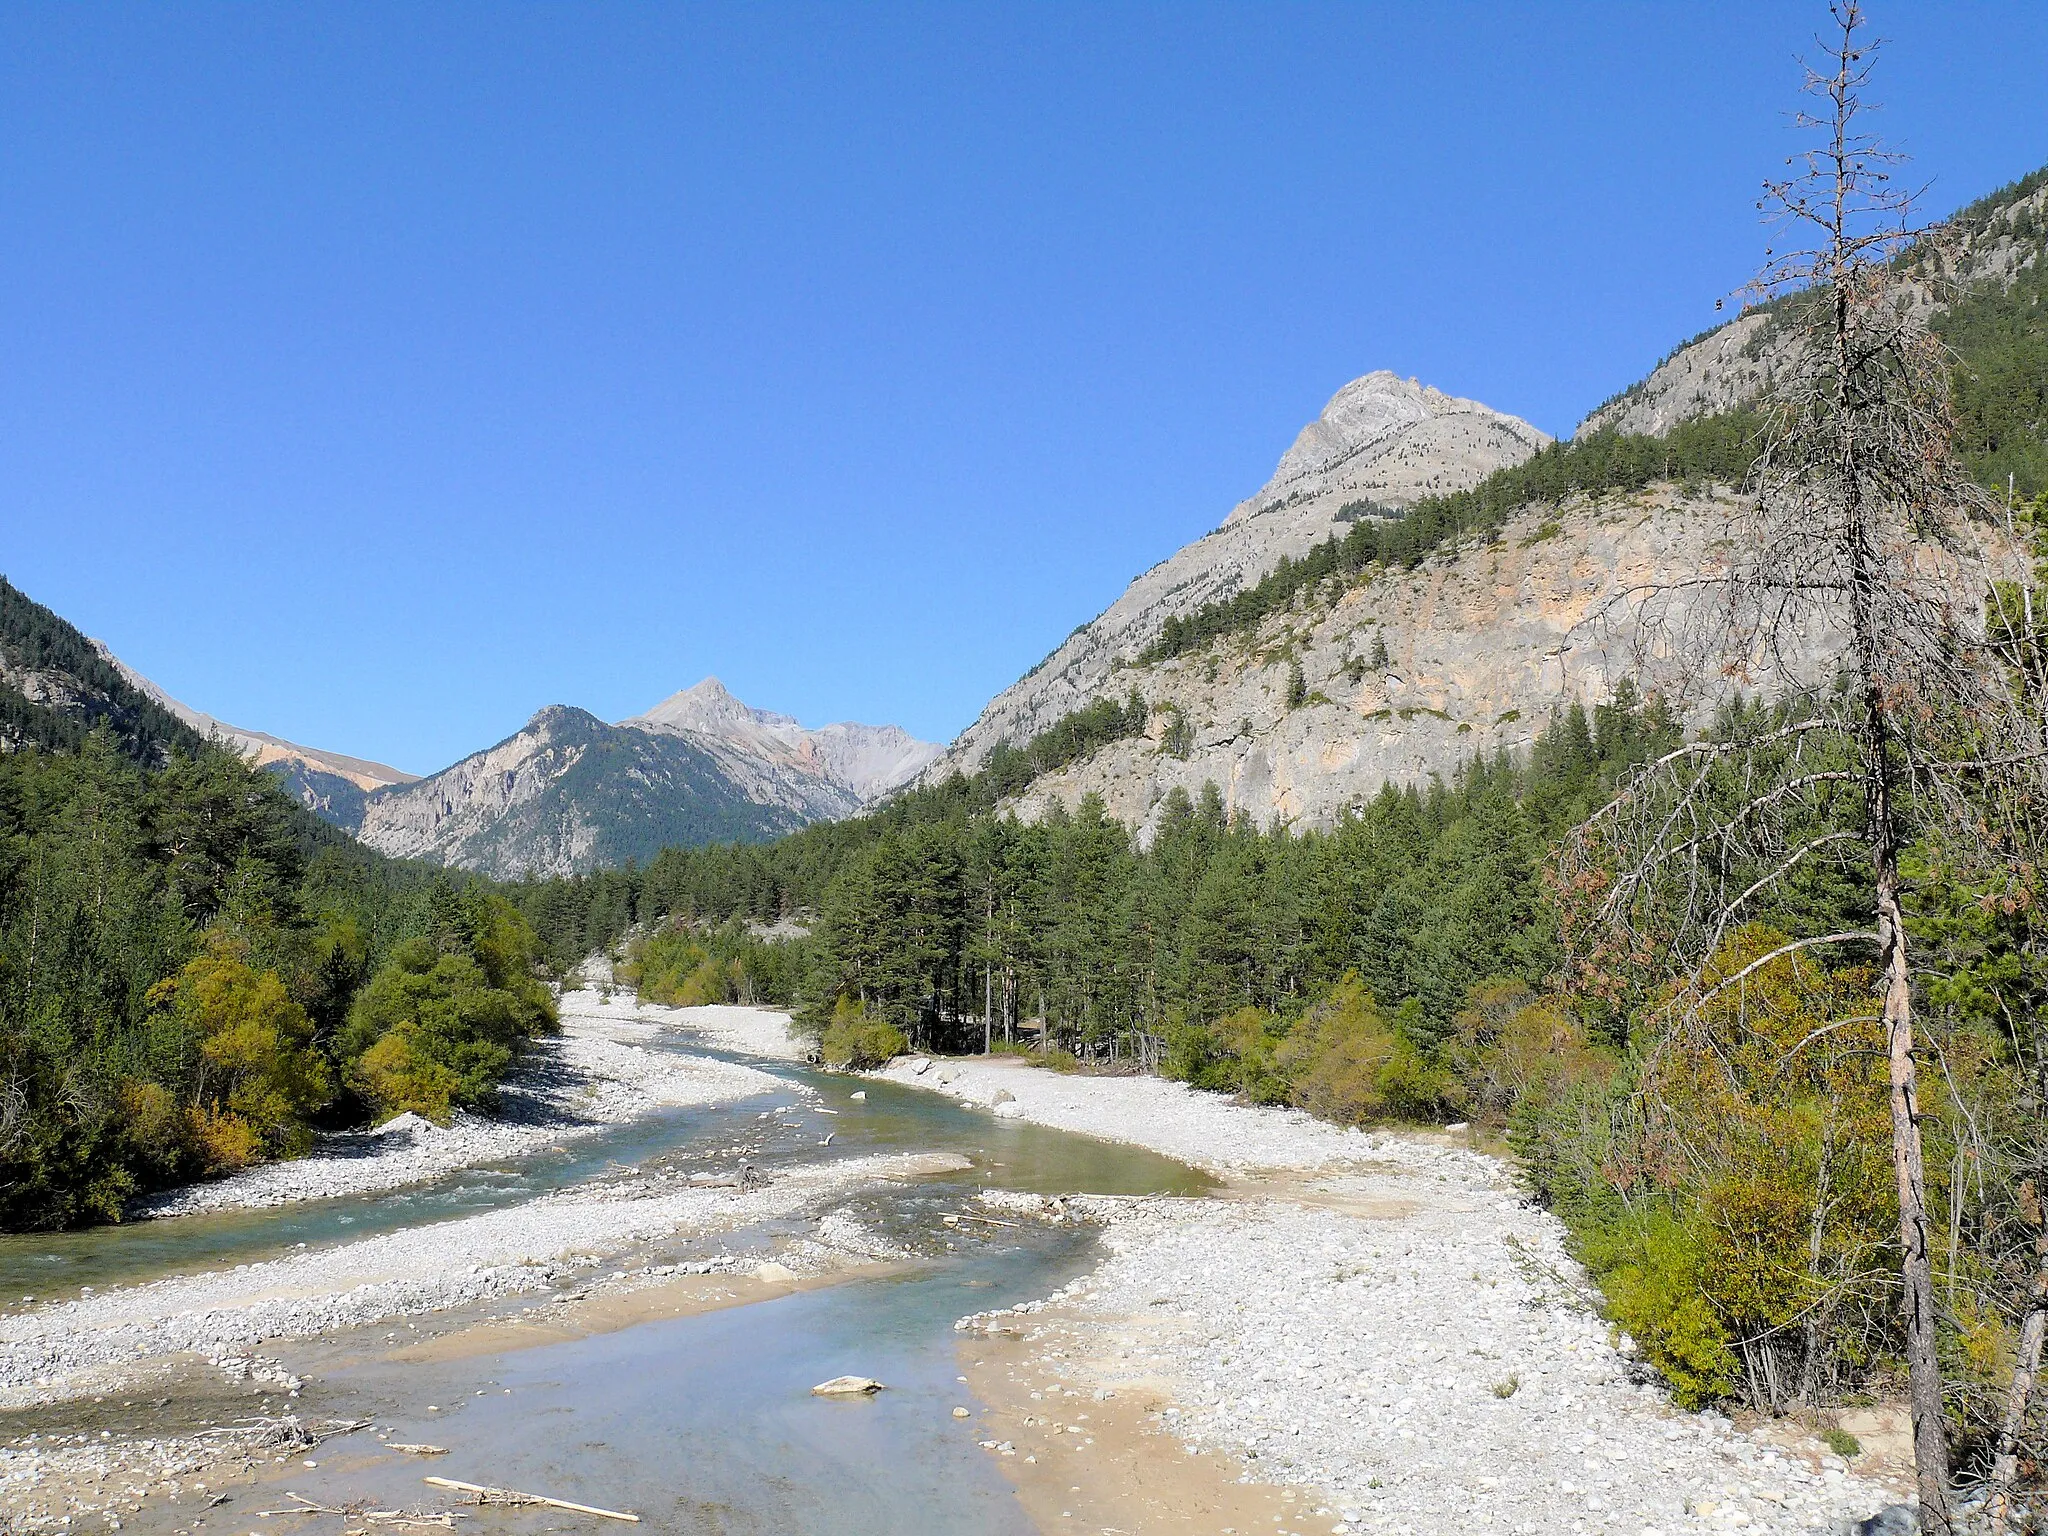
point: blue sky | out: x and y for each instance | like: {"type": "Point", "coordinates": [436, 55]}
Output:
{"type": "Point", "coordinates": [377, 375]}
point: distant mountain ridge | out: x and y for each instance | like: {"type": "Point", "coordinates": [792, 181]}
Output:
{"type": "Point", "coordinates": [564, 794]}
{"type": "Point", "coordinates": [330, 784]}
{"type": "Point", "coordinates": [568, 793]}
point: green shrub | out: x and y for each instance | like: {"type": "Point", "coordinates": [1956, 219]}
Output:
{"type": "Point", "coordinates": [1649, 1267]}
{"type": "Point", "coordinates": [1345, 1061]}
{"type": "Point", "coordinates": [856, 1041]}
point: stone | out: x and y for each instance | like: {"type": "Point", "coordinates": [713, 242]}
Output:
{"type": "Point", "coordinates": [1892, 1520]}
{"type": "Point", "coordinates": [861, 1097]}
{"type": "Point", "coordinates": [848, 1386]}
{"type": "Point", "coordinates": [1009, 1110]}
{"type": "Point", "coordinates": [920, 1066]}
{"type": "Point", "coordinates": [772, 1273]}
{"type": "Point", "coordinates": [1003, 1096]}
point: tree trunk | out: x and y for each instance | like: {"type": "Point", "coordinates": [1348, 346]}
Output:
{"type": "Point", "coordinates": [1916, 1263]}
{"type": "Point", "coordinates": [2026, 1368]}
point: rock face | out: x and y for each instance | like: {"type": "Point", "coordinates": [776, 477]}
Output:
{"type": "Point", "coordinates": [570, 793]}
{"type": "Point", "coordinates": [1481, 647]}
{"type": "Point", "coordinates": [1382, 441]}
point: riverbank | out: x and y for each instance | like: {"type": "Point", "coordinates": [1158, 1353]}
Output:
{"type": "Point", "coordinates": [1378, 1323]}
{"type": "Point", "coordinates": [763, 1032]}
{"type": "Point", "coordinates": [594, 1075]}
{"type": "Point", "coordinates": [531, 1273]}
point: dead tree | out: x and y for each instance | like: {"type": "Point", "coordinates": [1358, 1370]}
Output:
{"type": "Point", "coordinates": [1850, 594]}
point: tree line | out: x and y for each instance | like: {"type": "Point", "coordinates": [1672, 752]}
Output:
{"type": "Point", "coordinates": [194, 979]}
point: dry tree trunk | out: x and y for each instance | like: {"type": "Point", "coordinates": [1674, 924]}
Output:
{"type": "Point", "coordinates": [1916, 1265]}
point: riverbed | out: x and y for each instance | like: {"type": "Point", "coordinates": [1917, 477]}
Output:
{"type": "Point", "coordinates": [169, 1332]}
{"type": "Point", "coordinates": [1119, 1306]}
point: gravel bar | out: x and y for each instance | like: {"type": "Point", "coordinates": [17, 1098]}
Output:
{"type": "Point", "coordinates": [1385, 1320]}
{"type": "Point", "coordinates": [74, 1347]}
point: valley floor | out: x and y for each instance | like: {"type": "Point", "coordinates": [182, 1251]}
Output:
{"type": "Point", "coordinates": [1356, 1332]}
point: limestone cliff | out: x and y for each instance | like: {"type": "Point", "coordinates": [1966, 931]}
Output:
{"type": "Point", "coordinates": [1382, 441]}
{"type": "Point", "coordinates": [1480, 646]}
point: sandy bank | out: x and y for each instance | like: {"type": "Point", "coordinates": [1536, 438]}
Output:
{"type": "Point", "coordinates": [1205, 1130]}
{"type": "Point", "coordinates": [594, 1075]}
{"type": "Point", "coordinates": [762, 1032]}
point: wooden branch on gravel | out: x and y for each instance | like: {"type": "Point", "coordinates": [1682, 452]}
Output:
{"type": "Point", "coordinates": [481, 1494]}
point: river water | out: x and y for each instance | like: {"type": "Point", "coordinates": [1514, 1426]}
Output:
{"type": "Point", "coordinates": [703, 1423]}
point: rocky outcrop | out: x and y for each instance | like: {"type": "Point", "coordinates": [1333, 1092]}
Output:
{"type": "Point", "coordinates": [1731, 366]}
{"type": "Point", "coordinates": [1382, 442]}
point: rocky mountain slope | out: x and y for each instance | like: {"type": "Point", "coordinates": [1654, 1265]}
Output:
{"type": "Point", "coordinates": [1399, 674]}
{"type": "Point", "coordinates": [1993, 243]}
{"type": "Point", "coordinates": [568, 792]}
{"type": "Point", "coordinates": [565, 793]}
{"type": "Point", "coordinates": [1382, 442]}
{"type": "Point", "coordinates": [330, 784]}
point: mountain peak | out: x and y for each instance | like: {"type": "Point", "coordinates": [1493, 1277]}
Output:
{"type": "Point", "coordinates": [863, 760]}
{"type": "Point", "coordinates": [1375, 432]}
{"type": "Point", "coordinates": [1381, 439]}
{"type": "Point", "coordinates": [707, 706]}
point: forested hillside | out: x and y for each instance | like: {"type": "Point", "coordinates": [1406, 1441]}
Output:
{"type": "Point", "coordinates": [195, 973]}
{"type": "Point", "coordinates": [55, 686]}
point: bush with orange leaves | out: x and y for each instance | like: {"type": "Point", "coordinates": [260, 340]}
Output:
{"type": "Point", "coordinates": [256, 1079]}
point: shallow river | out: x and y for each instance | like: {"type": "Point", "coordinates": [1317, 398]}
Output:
{"type": "Point", "coordinates": [703, 1423]}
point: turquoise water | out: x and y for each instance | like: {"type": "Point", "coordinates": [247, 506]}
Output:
{"type": "Point", "coordinates": [706, 1423]}
{"type": "Point", "coordinates": [893, 1119]}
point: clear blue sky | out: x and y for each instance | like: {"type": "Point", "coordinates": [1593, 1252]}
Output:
{"type": "Point", "coordinates": [377, 375]}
